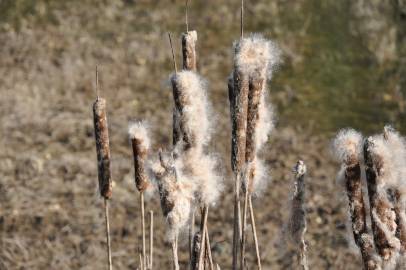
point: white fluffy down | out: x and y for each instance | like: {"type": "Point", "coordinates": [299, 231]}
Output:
{"type": "Point", "coordinates": [265, 122]}
{"type": "Point", "coordinates": [196, 112]}
{"type": "Point", "coordinates": [257, 54]}
{"type": "Point", "coordinates": [347, 145]}
{"type": "Point", "coordinates": [139, 131]}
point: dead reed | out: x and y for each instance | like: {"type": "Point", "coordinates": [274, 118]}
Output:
{"type": "Point", "coordinates": [140, 145]}
{"type": "Point", "coordinates": [103, 159]}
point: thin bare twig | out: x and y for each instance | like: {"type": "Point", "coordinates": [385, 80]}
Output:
{"type": "Point", "coordinates": [208, 249]}
{"type": "Point", "coordinates": [242, 19]}
{"type": "Point", "coordinates": [191, 238]}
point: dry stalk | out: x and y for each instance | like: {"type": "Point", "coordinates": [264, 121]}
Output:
{"type": "Point", "coordinates": [151, 239]}
{"type": "Point", "coordinates": [106, 216]}
{"type": "Point", "coordinates": [191, 238]}
{"type": "Point", "coordinates": [254, 233]}
{"type": "Point", "coordinates": [208, 250]}
{"type": "Point", "coordinates": [203, 229]}
{"type": "Point", "coordinates": [382, 214]}
{"type": "Point", "coordinates": [175, 253]}
{"type": "Point", "coordinates": [144, 259]}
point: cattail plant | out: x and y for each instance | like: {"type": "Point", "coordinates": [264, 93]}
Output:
{"type": "Point", "coordinates": [140, 144]}
{"type": "Point", "coordinates": [103, 158]}
{"type": "Point", "coordinates": [348, 150]}
{"type": "Point", "coordinates": [379, 168]}
{"type": "Point", "coordinates": [176, 198]}
{"type": "Point", "coordinates": [254, 61]}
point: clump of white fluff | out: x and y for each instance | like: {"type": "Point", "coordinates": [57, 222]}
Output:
{"type": "Point", "coordinates": [202, 172]}
{"type": "Point", "coordinates": [191, 37]}
{"type": "Point", "coordinates": [139, 131]}
{"type": "Point", "coordinates": [347, 146]}
{"type": "Point", "coordinates": [196, 110]}
{"type": "Point", "coordinates": [382, 156]}
{"type": "Point", "coordinates": [176, 191]}
{"type": "Point", "coordinates": [257, 54]}
{"type": "Point", "coordinates": [397, 146]}
{"type": "Point", "coordinates": [261, 178]}
{"type": "Point", "coordinates": [265, 122]}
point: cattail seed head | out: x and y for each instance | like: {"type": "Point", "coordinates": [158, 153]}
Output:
{"type": "Point", "coordinates": [189, 92]}
{"type": "Point", "coordinates": [102, 147]}
{"type": "Point", "coordinates": [140, 144]}
{"type": "Point", "coordinates": [348, 146]}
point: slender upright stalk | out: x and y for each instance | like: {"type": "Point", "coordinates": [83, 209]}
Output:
{"type": "Point", "coordinates": [208, 249]}
{"type": "Point", "coordinates": [244, 225]}
{"type": "Point", "coordinates": [106, 216]}
{"type": "Point", "coordinates": [151, 239]}
{"type": "Point", "coordinates": [203, 228]}
{"type": "Point", "coordinates": [143, 228]}
{"type": "Point", "coordinates": [191, 238]}
{"type": "Point", "coordinates": [175, 253]}
{"type": "Point", "coordinates": [254, 233]}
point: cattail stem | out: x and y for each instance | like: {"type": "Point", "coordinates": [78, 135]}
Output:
{"type": "Point", "coordinates": [208, 249]}
{"type": "Point", "coordinates": [173, 53]}
{"type": "Point", "coordinates": [191, 238]}
{"type": "Point", "coordinates": [242, 20]}
{"type": "Point", "coordinates": [203, 228]}
{"type": "Point", "coordinates": [151, 239]}
{"type": "Point", "coordinates": [143, 228]}
{"type": "Point", "coordinates": [254, 233]}
{"type": "Point", "coordinates": [244, 225]}
{"type": "Point", "coordinates": [237, 222]}
{"type": "Point", "coordinates": [107, 222]}
{"type": "Point", "coordinates": [175, 253]}
{"type": "Point", "coordinates": [382, 214]}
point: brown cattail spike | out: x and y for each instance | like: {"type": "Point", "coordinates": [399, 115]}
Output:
{"type": "Point", "coordinates": [102, 147]}
{"type": "Point", "coordinates": [382, 214]}
{"type": "Point", "coordinates": [140, 145]}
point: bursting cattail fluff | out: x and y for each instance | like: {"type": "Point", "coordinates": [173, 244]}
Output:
{"type": "Point", "coordinates": [378, 164]}
{"type": "Point", "coordinates": [348, 148]}
{"type": "Point", "coordinates": [140, 144]}
{"type": "Point", "coordinates": [102, 147]}
{"type": "Point", "coordinates": [257, 58]}
{"type": "Point", "coordinates": [176, 194]}
{"type": "Point", "coordinates": [189, 91]}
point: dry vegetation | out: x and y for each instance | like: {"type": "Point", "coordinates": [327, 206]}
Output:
{"type": "Point", "coordinates": [51, 214]}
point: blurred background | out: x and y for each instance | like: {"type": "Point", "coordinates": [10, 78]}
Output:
{"type": "Point", "coordinates": [343, 66]}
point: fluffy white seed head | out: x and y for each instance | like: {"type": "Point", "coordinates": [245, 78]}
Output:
{"type": "Point", "coordinates": [261, 178]}
{"type": "Point", "coordinates": [265, 122]}
{"type": "Point", "coordinates": [202, 172]}
{"type": "Point", "coordinates": [139, 131]}
{"type": "Point", "coordinates": [347, 146]}
{"type": "Point", "coordinates": [191, 36]}
{"type": "Point", "coordinates": [255, 54]}
{"type": "Point", "coordinates": [196, 111]}
{"type": "Point", "coordinates": [396, 144]}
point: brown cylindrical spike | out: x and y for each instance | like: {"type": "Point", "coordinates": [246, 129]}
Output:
{"type": "Point", "coordinates": [102, 147]}
{"type": "Point", "coordinates": [239, 121]}
{"type": "Point", "coordinates": [140, 153]}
